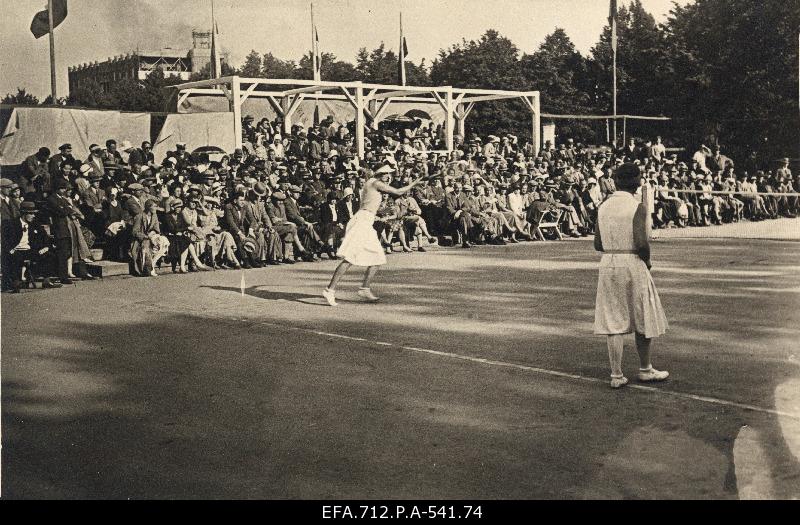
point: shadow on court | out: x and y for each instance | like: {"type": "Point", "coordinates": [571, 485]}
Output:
{"type": "Point", "coordinates": [184, 388]}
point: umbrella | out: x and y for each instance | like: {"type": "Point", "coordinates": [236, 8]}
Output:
{"type": "Point", "coordinates": [208, 150]}
{"type": "Point", "coordinates": [398, 118]}
{"type": "Point", "coordinates": [418, 113]}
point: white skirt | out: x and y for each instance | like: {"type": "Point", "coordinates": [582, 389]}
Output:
{"type": "Point", "coordinates": [361, 245]}
{"type": "Point", "coordinates": [627, 300]}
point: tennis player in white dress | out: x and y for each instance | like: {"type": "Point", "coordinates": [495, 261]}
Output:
{"type": "Point", "coordinates": [360, 245]}
{"type": "Point", "coordinates": [627, 300]}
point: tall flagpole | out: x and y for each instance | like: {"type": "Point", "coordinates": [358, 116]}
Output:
{"type": "Point", "coordinates": [613, 23]}
{"type": "Point", "coordinates": [402, 54]}
{"type": "Point", "coordinates": [314, 49]}
{"type": "Point", "coordinates": [52, 51]}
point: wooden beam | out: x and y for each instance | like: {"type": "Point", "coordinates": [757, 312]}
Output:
{"type": "Point", "coordinates": [381, 109]}
{"type": "Point", "coordinates": [249, 92]}
{"type": "Point", "coordinates": [277, 107]}
{"type": "Point", "coordinates": [182, 99]}
{"type": "Point", "coordinates": [308, 89]}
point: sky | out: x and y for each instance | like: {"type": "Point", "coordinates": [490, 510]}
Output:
{"type": "Point", "coordinates": [98, 29]}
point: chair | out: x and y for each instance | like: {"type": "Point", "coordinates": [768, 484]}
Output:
{"type": "Point", "coordinates": [550, 219]}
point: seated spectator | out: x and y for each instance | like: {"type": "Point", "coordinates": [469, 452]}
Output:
{"type": "Point", "coordinates": [148, 246]}
{"type": "Point", "coordinates": [24, 244]}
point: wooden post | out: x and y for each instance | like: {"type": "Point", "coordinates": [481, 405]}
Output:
{"type": "Point", "coordinates": [449, 119]}
{"type": "Point", "coordinates": [536, 124]}
{"type": "Point", "coordinates": [360, 121]}
{"type": "Point", "coordinates": [236, 107]}
{"type": "Point", "coordinates": [287, 118]}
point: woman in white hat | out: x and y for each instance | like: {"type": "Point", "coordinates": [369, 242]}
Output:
{"type": "Point", "coordinates": [627, 300]}
{"type": "Point", "coordinates": [361, 246]}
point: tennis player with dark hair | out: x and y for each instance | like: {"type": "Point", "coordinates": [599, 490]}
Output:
{"type": "Point", "coordinates": [360, 245]}
{"type": "Point", "coordinates": [627, 300]}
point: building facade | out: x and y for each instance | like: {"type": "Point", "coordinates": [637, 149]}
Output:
{"type": "Point", "coordinates": [173, 62]}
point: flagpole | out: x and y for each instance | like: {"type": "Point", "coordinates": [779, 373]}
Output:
{"type": "Point", "coordinates": [215, 71]}
{"type": "Point", "coordinates": [314, 64]}
{"type": "Point", "coordinates": [613, 22]}
{"type": "Point", "coordinates": [402, 54]}
{"type": "Point", "coordinates": [52, 51]}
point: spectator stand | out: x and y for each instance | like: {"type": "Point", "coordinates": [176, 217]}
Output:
{"type": "Point", "coordinates": [370, 102]}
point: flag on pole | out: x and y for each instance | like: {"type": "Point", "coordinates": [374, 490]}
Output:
{"type": "Point", "coordinates": [242, 286]}
{"type": "Point", "coordinates": [612, 22]}
{"type": "Point", "coordinates": [40, 25]}
{"type": "Point", "coordinates": [403, 54]}
{"type": "Point", "coordinates": [316, 56]}
{"type": "Point", "coordinates": [216, 62]}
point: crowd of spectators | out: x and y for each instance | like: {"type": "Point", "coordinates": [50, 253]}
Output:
{"type": "Point", "coordinates": [287, 197]}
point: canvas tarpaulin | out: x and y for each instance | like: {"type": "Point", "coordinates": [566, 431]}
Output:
{"type": "Point", "coordinates": [28, 129]}
{"type": "Point", "coordinates": [196, 130]}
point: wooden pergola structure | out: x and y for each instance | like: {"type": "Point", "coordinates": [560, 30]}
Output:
{"type": "Point", "coordinates": [369, 101]}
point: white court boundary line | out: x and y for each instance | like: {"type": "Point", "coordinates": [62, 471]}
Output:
{"type": "Point", "coordinates": [545, 371]}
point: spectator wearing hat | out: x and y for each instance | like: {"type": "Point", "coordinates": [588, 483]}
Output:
{"type": "Point", "coordinates": [112, 154]}
{"type": "Point", "coordinates": [142, 156]}
{"type": "Point", "coordinates": [8, 207]}
{"type": "Point", "coordinates": [238, 219]}
{"type": "Point", "coordinates": [269, 249]}
{"type": "Point", "coordinates": [180, 244]}
{"type": "Point", "coordinates": [134, 204]}
{"type": "Point", "coordinates": [25, 245]}
{"type": "Point", "coordinates": [330, 224]}
{"type": "Point", "coordinates": [148, 246]}
{"type": "Point", "coordinates": [308, 236]}
{"type": "Point", "coordinates": [221, 246]}
{"type": "Point", "coordinates": [92, 200]}
{"type": "Point", "coordinates": [35, 172]}
{"type": "Point", "coordinates": [70, 243]}
{"type": "Point", "coordinates": [95, 159]}
{"type": "Point", "coordinates": [116, 233]}
{"type": "Point", "coordinates": [64, 155]}
{"type": "Point", "coordinates": [459, 216]}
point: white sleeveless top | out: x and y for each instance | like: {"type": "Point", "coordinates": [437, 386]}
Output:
{"type": "Point", "coordinates": [370, 197]}
{"type": "Point", "coordinates": [615, 218]}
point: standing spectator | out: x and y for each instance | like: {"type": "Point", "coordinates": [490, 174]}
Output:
{"type": "Point", "coordinates": [35, 173]}
{"type": "Point", "coordinates": [70, 244]}
{"type": "Point", "coordinates": [8, 208]}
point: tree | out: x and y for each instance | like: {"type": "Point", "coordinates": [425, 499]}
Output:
{"type": "Point", "coordinates": [558, 71]}
{"type": "Point", "coordinates": [272, 67]}
{"type": "Point", "coordinates": [22, 98]}
{"type": "Point", "coordinates": [491, 63]}
{"type": "Point", "coordinates": [252, 65]}
{"type": "Point", "coordinates": [205, 71]}
{"type": "Point", "coordinates": [736, 67]}
{"type": "Point", "coordinates": [331, 69]}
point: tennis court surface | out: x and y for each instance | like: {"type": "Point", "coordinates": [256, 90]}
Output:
{"type": "Point", "coordinates": [476, 376]}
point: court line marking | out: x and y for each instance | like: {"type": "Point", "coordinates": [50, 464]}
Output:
{"type": "Point", "coordinates": [538, 370]}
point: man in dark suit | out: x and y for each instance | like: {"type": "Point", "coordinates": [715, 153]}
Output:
{"type": "Point", "coordinates": [61, 212]}
{"type": "Point", "coordinates": [64, 155]}
{"type": "Point", "coordinates": [458, 213]}
{"type": "Point", "coordinates": [142, 157]}
{"type": "Point", "coordinates": [308, 235]}
{"type": "Point", "coordinates": [35, 171]}
{"type": "Point", "coordinates": [23, 240]}
{"type": "Point", "coordinates": [8, 210]}
{"type": "Point", "coordinates": [95, 160]}
{"type": "Point", "coordinates": [239, 219]}
{"type": "Point", "coordinates": [346, 207]}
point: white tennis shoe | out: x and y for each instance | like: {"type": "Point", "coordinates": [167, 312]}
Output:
{"type": "Point", "coordinates": [618, 382]}
{"type": "Point", "coordinates": [329, 296]}
{"type": "Point", "coordinates": [367, 294]}
{"type": "Point", "coordinates": [651, 374]}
